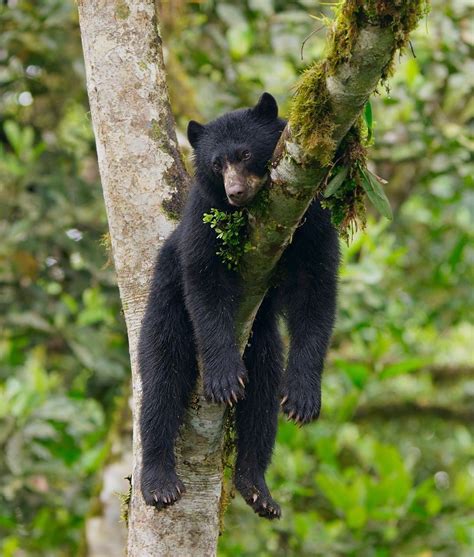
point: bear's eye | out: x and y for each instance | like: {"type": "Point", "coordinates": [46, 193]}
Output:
{"type": "Point", "coordinates": [216, 165]}
{"type": "Point", "coordinates": [245, 156]}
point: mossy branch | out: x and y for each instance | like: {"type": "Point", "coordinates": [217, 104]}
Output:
{"type": "Point", "coordinates": [362, 43]}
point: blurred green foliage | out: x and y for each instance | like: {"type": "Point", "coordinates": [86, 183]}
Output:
{"type": "Point", "coordinates": [389, 468]}
{"type": "Point", "coordinates": [63, 354]}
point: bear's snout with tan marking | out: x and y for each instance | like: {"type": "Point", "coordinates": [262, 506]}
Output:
{"type": "Point", "coordinates": [240, 184]}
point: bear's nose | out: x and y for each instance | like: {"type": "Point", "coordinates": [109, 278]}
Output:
{"type": "Point", "coordinates": [236, 193]}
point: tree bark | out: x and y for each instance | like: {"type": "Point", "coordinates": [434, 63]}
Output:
{"type": "Point", "coordinates": [144, 181]}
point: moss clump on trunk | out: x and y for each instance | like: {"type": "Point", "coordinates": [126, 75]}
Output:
{"type": "Point", "coordinates": [347, 203]}
{"type": "Point", "coordinates": [312, 119]}
{"type": "Point", "coordinates": [401, 16]}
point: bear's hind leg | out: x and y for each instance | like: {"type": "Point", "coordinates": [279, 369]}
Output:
{"type": "Point", "coordinates": [168, 371]}
{"type": "Point", "coordinates": [257, 414]}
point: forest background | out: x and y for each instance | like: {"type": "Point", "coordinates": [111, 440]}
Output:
{"type": "Point", "coordinates": [388, 470]}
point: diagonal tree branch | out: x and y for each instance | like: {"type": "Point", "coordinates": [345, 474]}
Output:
{"type": "Point", "coordinates": [345, 81]}
{"type": "Point", "coordinates": [144, 182]}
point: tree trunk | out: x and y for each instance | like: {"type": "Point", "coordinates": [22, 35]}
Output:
{"type": "Point", "coordinates": [144, 181]}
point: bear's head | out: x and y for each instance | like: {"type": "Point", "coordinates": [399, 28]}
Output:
{"type": "Point", "coordinates": [231, 153]}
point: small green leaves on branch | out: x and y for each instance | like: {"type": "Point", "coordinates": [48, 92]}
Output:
{"type": "Point", "coordinates": [373, 189]}
{"type": "Point", "coordinates": [349, 181]}
{"type": "Point", "coordinates": [368, 120]}
{"type": "Point", "coordinates": [336, 181]}
{"type": "Point", "coordinates": [231, 231]}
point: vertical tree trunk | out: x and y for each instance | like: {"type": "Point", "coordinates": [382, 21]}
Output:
{"type": "Point", "coordinates": [144, 181]}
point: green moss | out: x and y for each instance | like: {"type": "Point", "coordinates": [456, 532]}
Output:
{"type": "Point", "coordinates": [228, 464]}
{"type": "Point", "coordinates": [122, 11]}
{"type": "Point", "coordinates": [160, 135]}
{"type": "Point", "coordinates": [231, 231]}
{"type": "Point", "coordinates": [106, 243]}
{"type": "Point", "coordinates": [173, 205]}
{"type": "Point", "coordinates": [259, 205]}
{"type": "Point", "coordinates": [352, 15]}
{"type": "Point", "coordinates": [172, 208]}
{"type": "Point", "coordinates": [311, 113]}
{"type": "Point", "coordinates": [125, 499]}
{"type": "Point", "coordinates": [311, 116]}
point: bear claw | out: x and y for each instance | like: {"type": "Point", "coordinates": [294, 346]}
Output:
{"type": "Point", "coordinates": [225, 390]}
{"type": "Point", "coordinates": [301, 408]}
{"type": "Point", "coordinates": [266, 507]}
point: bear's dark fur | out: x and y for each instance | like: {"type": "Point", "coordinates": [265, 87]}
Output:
{"type": "Point", "coordinates": [193, 303]}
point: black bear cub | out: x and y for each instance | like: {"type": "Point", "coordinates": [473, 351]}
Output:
{"type": "Point", "coordinates": [192, 308]}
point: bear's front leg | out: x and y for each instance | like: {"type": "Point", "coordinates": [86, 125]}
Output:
{"type": "Point", "coordinates": [301, 389]}
{"type": "Point", "coordinates": [211, 300]}
{"type": "Point", "coordinates": [308, 296]}
{"type": "Point", "coordinates": [310, 315]}
{"type": "Point", "coordinates": [168, 373]}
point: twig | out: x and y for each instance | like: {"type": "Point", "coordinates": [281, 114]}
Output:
{"type": "Point", "coordinates": [308, 37]}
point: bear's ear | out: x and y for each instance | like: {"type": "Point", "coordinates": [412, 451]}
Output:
{"type": "Point", "coordinates": [266, 108]}
{"type": "Point", "coordinates": [195, 130]}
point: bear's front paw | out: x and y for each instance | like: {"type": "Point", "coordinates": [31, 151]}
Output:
{"type": "Point", "coordinates": [301, 405]}
{"type": "Point", "coordinates": [161, 489]}
{"type": "Point", "coordinates": [256, 494]}
{"type": "Point", "coordinates": [226, 388]}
